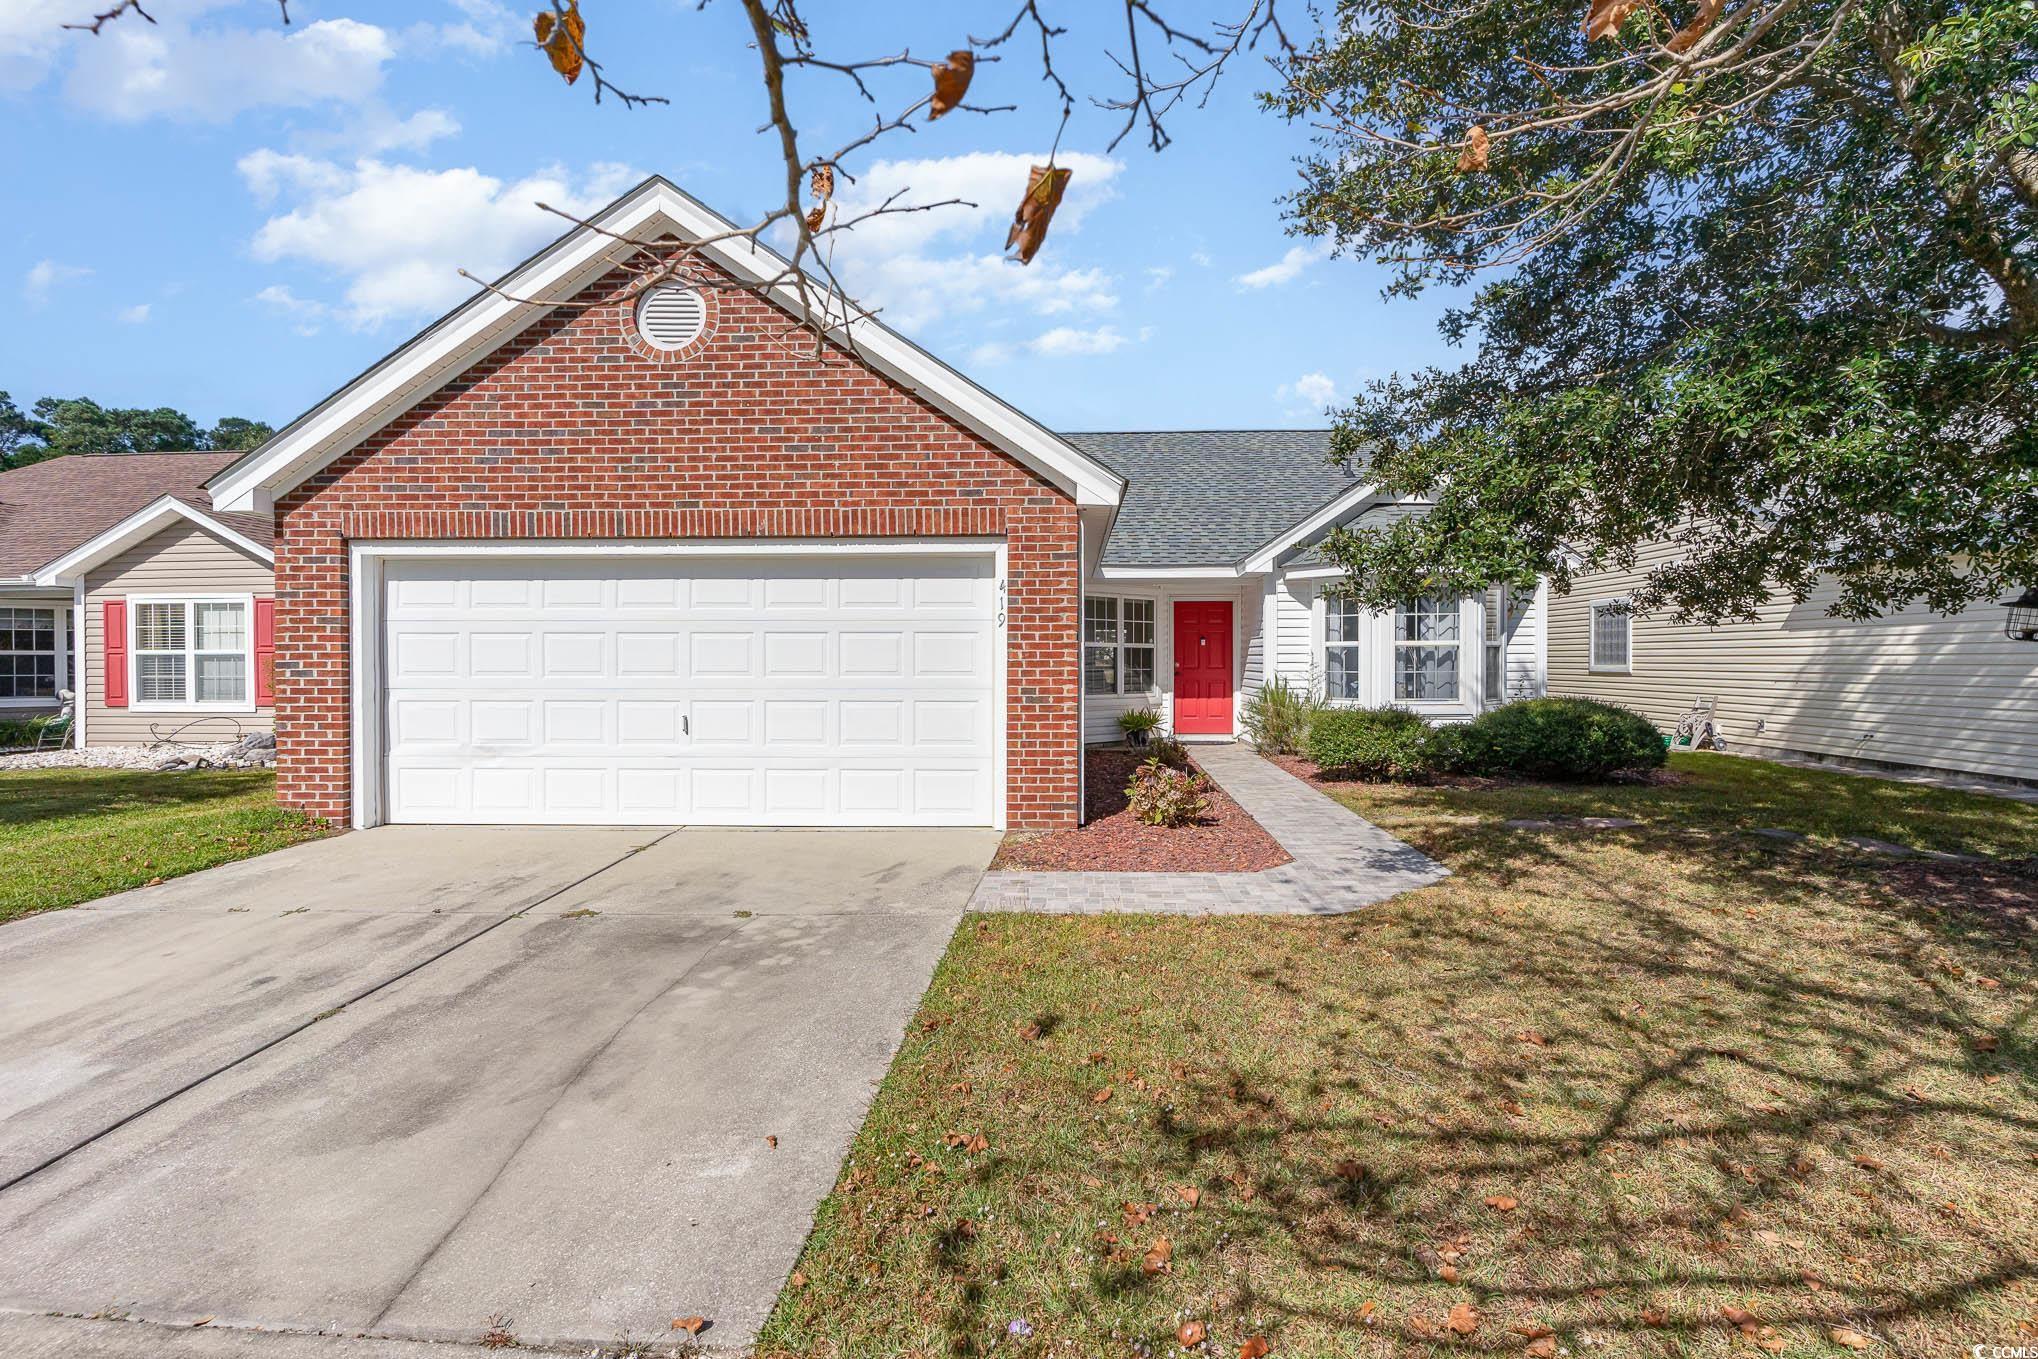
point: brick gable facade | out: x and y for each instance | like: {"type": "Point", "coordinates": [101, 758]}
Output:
{"type": "Point", "coordinates": [577, 429]}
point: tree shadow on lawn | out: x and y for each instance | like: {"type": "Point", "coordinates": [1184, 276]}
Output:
{"type": "Point", "coordinates": [1713, 1071]}
{"type": "Point", "coordinates": [29, 796]}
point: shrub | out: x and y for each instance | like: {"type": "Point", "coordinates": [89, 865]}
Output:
{"type": "Point", "coordinates": [1277, 717]}
{"type": "Point", "coordinates": [1169, 752]}
{"type": "Point", "coordinates": [1370, 743]}
{"type": "Point", "coordinates": [1554, 738]}
{"type": "Point", "coordinates": [1163, 796]}
{"type": "Point", "coordinates": [1138, 723]}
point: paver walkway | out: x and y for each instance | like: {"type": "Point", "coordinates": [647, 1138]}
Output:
{"type": "Point", "coordinates": [1341, 861]}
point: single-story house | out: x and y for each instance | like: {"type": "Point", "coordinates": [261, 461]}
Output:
{"type": "Point", "coordinates": [625, 555]}
{"type": "Point", "coordinates": [121, 573]}
{"type": "Point", "coordinates": [1914, 690]}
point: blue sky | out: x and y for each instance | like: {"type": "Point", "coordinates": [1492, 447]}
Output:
{"type": "Point", "coordinates": [232, 217]}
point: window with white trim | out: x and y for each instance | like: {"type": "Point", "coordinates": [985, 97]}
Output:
{"type": "Point", "coordinates": [1118, 645]}
{"type": "Point", "coordinates": [1427, 650]}
{"type": "Point", "coordinates": [1612, 635]}
{"type": "Point", "coordinates": [1341, 617]}
{"type": "Point", "coordinates": [193, 653]}
{"type": "Point", "coordinates": [28, 653]}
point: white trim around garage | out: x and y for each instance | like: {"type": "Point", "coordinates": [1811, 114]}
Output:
{"type": "Point", "coordinates": [367, 559]}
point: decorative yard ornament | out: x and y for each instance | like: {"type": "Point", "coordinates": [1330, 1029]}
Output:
{"type": "Point", "coordinates": [2023, 621]}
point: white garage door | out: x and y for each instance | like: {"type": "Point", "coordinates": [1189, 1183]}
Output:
{"type": "Point", "coordinates": [789, 691]}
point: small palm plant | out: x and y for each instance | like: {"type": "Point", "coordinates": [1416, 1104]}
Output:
{"type": "Point", "coordinates": [1139, 725]}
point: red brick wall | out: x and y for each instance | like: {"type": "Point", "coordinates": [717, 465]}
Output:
{"type": "Point", "coordinates": [576, 429]}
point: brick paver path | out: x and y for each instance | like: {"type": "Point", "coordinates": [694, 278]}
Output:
{"type": "Point", "coordinates": [1341, 861]}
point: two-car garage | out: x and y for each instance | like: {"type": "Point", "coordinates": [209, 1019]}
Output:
{"type": "Point", "coordinates": [797, 684]}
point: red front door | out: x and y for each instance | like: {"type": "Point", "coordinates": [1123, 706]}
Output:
{"type": "Point", "coordinates": [1203, 669]}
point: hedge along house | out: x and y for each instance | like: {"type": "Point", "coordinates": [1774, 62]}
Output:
{"type": "Point", "coordinates": [122, 582]}
{"type": "Point", "coordinates": [644, 559]}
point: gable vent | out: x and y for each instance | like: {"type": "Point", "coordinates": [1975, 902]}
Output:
{"type": "Point", "coordinates": [671, 317]}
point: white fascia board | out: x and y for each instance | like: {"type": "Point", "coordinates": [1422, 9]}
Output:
{"type": "Point", "coordinates": [138, 527]}
{"type": "Point", "coordinates": [1167, 573]}
{"type": "Point", "coordinates": [1323, 518]}
{"type": "Point", "coordinates": [1312, 573]}
{"type": "Point", "coordinates": [489, 320]}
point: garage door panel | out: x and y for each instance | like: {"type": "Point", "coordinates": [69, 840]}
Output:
{"type": "Point", "coordinates": [805, 691]}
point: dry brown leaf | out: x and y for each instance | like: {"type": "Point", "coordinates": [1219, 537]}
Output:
{"type": "Point", "coordinates": [1533, 1330]}
{"type": "Point", "coordinates": [562, 36]}
{"type": "Point", "coordinates": [1701, 23]}
{"type": "Point", "coordinates": [1045, 185]}
{"type": "Point", "coordinates": [1030, 1030]}
{"type": "Point", "coordinates": [1987, 1042]}
{"type": "Point", "coordinates": [1545, 1348]}
{"type": "Point", "coordinates": [1472, 157]}
{"type": "Point", "coordinates": [1607, 16]}
{"type": "Point", "coordinates": [1501, 1203]}
{"type": "Point", "coordinates": [1739, 1316]}
{"type": "Point", "coordinates": [1448, 1273]}
{"type": "Point", "coordinates": [1137, 1214]}
{"type": "Point", "coordinates": [1159, 1257]}
{"type": "Point", "coordinates": [202, 1321]}
{"type": "Point", "coordinates": [1852, 1339]}
{"type": "Point", "coordinates": [1367, 1309]}
{"type": "Point", "coordinates": [1255, 1347]}
{"type": "Point", "coordinates": [822, 183]}
{"type": "Point", "coordinates": [771, 1140]}
{"type": "Point", "coordinates": [1189, 1194]}
{"type": "Point", "coordinates": [692, 1325]}
{"type": "Point", "coordinates": [951, 81]}
{"type": "Point", "coordinates": [1655, 1316]}
{"type": "Point", "coordinates": [1532, 1036]}
{"type": "Point", "coordinates": [1191, 1333]}
{"type": "Point", "coordinates": [1463, 1319]}
{"type": "Point", "coordinates": [1101, 1096]}
{"type": "Point", "coordinates": [798, 1280]}
{"type": "Point", "coordinates": [1868, 1163]}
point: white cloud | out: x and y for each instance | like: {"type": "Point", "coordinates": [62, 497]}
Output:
{"type": "Point", "coordinates": [398, 235]}
{"type": "Point", "coordinates": [44, 275]}
{"type": "Point", "coordinates": [1201, 259]}
{"type": "Point", "coordinates": [921, 267]}
{"type": "Point", "coordinates": [1063, 341]}
{"type": "Point", "coordinates": [132, 71]}
{"type": "Point", "coordinates": [378, 129]}
{"type": "Point", "coordinates": [136, 315]}
{"type": "Point", "coordinates": [33, 37]}
{"type": "Point", "coordinates": [991, 354]}
{"type": "Point", "coordinates": [1157, 277]}
{"type": "Point", "coordinates": [1287, 268]}
{"type": "Point", "coordinates": [306, 314]}
{"type": "Point", "coordinates": [487, 30]}
{"type": "Point", "coordinates": [1309, 394]}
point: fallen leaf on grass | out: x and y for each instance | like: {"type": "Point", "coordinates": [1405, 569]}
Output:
{"type": "Point", "coordinates": [1189, 1194]}
{"type": "Point", "coordinates": [1463, 1319]}
{"type": "Point", "coordinates": [1545, 1348]}
{"type": "Point", "coordinates": [967, 1142]}
{"type": "Point", "coordinates": [1160, 1258]}
{"type": "Point", "coordinates": [1101, 1095]}
{"type": "Point", "coordinates": [798, 1280]}
{"type": "Point", "coordinates": [1367, 1309]}
{"type": "Point", "coordinates": [1867, 1163]}
{"type": "Point", "coordinates": [1255, 1347]}
{"type": "Point", "coordinates": [1501, 1203]}
{"type": "Point", "coordinates": [1030, 1030]}
{"type": "Point", "coordinates": [1191, 1333]}
{"type": "Point", "coordinates": [1655, 1316]}
{"type": "Point", "coordinates": [1448, 1273]}
{"type": "Point", "coordinates": [1533, 1037]}
{"type": "Point", "coordinates": [1987, 1042]}
{"type": "Point", "coordinates": [1852, 1339]}
{"type": "Point", "coordinates": [1534, 1330]}
{"type": "Point", "coordinates": [1137, 1214]}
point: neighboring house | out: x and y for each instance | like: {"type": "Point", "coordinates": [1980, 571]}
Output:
{"type": "Point", "coordinates": [118, 573]}
{"type": "Point", "coordinates": [1915, 690]}
{"type": "Point", "coordinates": [642, 558]}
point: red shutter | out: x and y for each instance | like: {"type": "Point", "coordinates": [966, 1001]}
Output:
{"type": "Point", "coordinates": [115, 649]}
{"type": "Point", "coordinates": [265, 653]}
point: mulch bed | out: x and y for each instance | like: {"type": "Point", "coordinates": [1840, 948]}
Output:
{"type": "Point", "coordinates": [1226, 840]}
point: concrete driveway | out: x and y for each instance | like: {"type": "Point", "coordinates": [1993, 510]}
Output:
{"type": "Point", "coordinates": [410, 1080]}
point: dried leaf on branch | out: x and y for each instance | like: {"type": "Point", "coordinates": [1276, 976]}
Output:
{"type": "Point", "coordinates": [951, 81]}
{"type": "Point", "coordinates": [562, 35]}
{"type": "Point", "coordinates": [1472, 158]}
{"type": "Point", "coordinates": [822, 184]}
{"type": "Point", "coordinates": [1045, 185]}
{"type": "Point", "coordinates": [1701, 23]}
{"type": "Point", "coordinates": [1607, 16]}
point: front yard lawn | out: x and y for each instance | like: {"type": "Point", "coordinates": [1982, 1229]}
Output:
{"type": "Point", "coordinates": [1675, 1089]}
{"type": "Point", "coordinates": [70, 835]}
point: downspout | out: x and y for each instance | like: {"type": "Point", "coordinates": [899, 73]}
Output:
{"type": "Point", "coordinates": [1082, 685]}
{"type": "Point", "coordinates": [78, 663]}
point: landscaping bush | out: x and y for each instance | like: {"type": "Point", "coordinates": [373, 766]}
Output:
{"type": "Point", "coordinates": [1552, 738]}
{"type": "Point", "coordinates": [1277, 717]}
{"type": "Point", "coordinates": [1138, 724]}
{"type": "Point", "coordinates": [1169, 752]}
{"type": "Point", "coordinates": [1369, 743]}
{"type": "Point", "coordinates": [1163, 796]}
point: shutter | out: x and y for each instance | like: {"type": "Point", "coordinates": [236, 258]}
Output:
{"type": "Point", "coordinates": [265, 652]}
{"type": "Point", "coordinates": [114, 648]}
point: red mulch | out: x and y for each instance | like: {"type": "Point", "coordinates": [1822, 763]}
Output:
{"type": "Point", "coordinates": [1226, 840]}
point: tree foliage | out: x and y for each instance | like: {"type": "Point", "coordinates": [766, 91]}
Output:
{"type": "Point", "coordinates": [1758, 277]}
{"type": "Point", "coordinates": [58, 426]}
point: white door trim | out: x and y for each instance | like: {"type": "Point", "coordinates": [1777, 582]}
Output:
{"type": "Point", "coordinates": [367, 559]}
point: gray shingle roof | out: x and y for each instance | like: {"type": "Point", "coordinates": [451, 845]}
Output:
{"type": "Point", "coordinates": [1210, 497]}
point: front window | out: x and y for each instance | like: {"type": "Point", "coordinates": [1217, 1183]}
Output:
{"type": "Point", "coordinates": [1426, 650]}
{"type": "Point", "coordinates": [1341, 647]}
{"type": "Point", "coordinates": [192, 653]}
{"type": "Point", "coordinates": [1118, 645]}
{"type": "Point", "coordinates": [28, 653]}
{"type": "Point", "coordinates": [1612, 635]}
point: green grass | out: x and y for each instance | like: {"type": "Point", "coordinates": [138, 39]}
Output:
{"type": "Point", "coordinates": [1669, 1045]}
{"type": "Point", "coordinates": [70, 835]}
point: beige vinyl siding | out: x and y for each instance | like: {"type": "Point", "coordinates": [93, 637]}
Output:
{"type": "Point", "coordinates": [1914, 689]}
{"type": "Point", "coordinates": [181, 560]}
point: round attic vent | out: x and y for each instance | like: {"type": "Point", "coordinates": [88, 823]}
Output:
{"type": "Point", "coordinates": [670, 316]}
